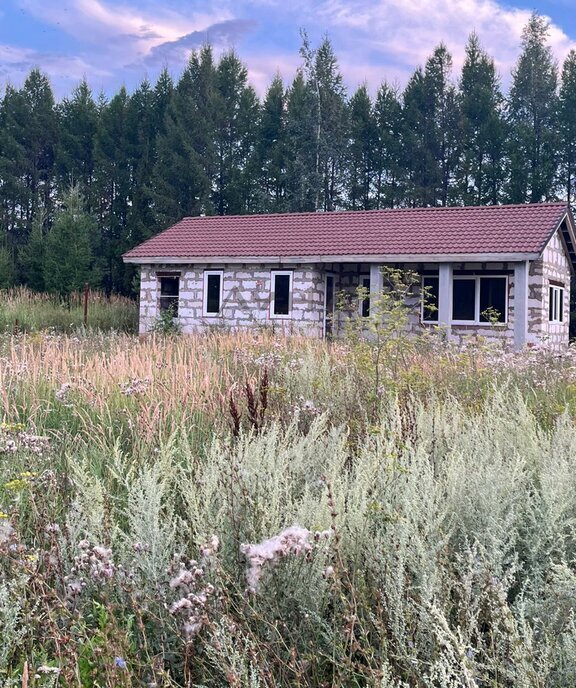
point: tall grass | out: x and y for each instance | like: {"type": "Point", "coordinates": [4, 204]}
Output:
{"type": "Point", "coordinates": [243, 510]}
{"type": "Point", "coordinates": [28, 311]}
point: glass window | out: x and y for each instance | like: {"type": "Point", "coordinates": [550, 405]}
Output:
{"type": "Point", "coordinates": [556, 304]}
{"type": "Point", "coordinates": [464, 299]}
{"type": "Point", "coordinates": [281, 294]}
{"type": "Point", "coordinates": [169, 293]}
{"type": "Point", "coordinates": [493, 299]}
{"type": "Point", "coordinates": [212, 292]}
{"type": "Point", "coordinates": [430, 288]}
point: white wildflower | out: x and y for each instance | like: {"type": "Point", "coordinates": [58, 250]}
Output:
{"type": "Point", "coordinates": [294, 540]}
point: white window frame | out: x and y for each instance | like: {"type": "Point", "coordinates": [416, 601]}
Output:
{"type": "Point", "coordinates": [364, 276]}
{"type": "Point", "coordinates": [161, 298]}
{"type": "Point", "coordinates": [556, 305]}
{"type": "Point", "coordinates": [273, 274]}
{"type": "Point", "coordinates": [422, 319]}
{"type": "Point", "coordinates": [477, 321]}
{"type": "Point", "coordinates": [205, 312]}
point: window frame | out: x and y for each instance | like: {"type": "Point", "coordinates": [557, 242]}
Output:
{"type": "Point", "coordinates": [175, 276]}
{"type": "Point", "coordinates": [555, 304]}
{"type": "Point", "coordinates": [366, 301]}
{"type": "Point", "coordinates": [422, 304]}
{"type": "Point", "coordinates": [290, 275]}
{"type": "Point", "coordinates": [205, 312]}
{"type": "Point", "coordinates": [477, 314]}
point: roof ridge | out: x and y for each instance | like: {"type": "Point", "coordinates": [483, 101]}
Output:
{"type": "Point", "coordinates": [324, 213]}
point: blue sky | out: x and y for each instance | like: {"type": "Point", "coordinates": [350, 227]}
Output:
{"type": "Point", "coordinates": [113, 42]}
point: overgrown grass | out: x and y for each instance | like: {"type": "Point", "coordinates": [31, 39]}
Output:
{"type": "Point", "coordinates": [22, 310]}
{"type": "Point", "coordinates": [150, 489]}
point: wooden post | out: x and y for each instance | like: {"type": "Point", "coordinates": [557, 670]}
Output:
{"type": "Point", "coordinates": [86, 290]}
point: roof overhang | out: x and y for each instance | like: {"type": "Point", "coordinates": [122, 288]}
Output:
{"type": "Point", "coordinates": [568, 232]}
{"type": "Point", "coordinates": [360, 258]}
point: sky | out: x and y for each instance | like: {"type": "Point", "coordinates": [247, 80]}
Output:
{"type": "Point", "coordinates": [120, 42]}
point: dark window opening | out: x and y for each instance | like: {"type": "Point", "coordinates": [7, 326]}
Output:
{"type": "Point", "coordinates": [431, 287]}
{"type": "Point", "coordinates": [464, 299]}
{"type": "Point", "coordinates": [492, 299]}
{"type": "Point", "coordinates": [169, 294]}
{"type": "Point", "coordinates": [213, 286]}
{"type": "Point", "coordinates": [365, 305]}
{"type": "Point", "coordinates": [281, 302]}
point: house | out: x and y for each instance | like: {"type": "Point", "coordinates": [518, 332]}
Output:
{"type": "Point", "coordinates": [286, 270]}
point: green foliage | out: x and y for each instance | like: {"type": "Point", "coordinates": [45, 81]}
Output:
{"type": "Point", "coordinates": [68, 256]}
{"type": "Point", "coordinates": [532, 114]}
{"type": "Point", "coordinates": [438, 546]}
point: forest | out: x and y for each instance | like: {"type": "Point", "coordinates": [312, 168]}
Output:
{"type": "Point", "coordinates": [85, 179]}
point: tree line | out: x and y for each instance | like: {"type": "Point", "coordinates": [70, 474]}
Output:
{"type": "Point", "coordinates": [85, 179]}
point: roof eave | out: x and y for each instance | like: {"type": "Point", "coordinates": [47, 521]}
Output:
{"type": "Point", "coordinates": [356, 258]}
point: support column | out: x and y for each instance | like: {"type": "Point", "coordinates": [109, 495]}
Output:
{"type": "Point", "coordinates": [445, 296]}
{"type": "Point", "coordinates": [521, 303]}
{"type": "Point", "coordinates": [376, 285]}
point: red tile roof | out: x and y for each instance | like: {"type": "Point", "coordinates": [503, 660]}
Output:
{"type": "Point", "coordinates": [419, 231]}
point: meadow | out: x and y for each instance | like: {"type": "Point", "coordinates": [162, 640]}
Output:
{"type": "Point", "coordinates": [248, 510]}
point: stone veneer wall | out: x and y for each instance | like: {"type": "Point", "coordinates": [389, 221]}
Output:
{"type": "Point", "coordinates": [554, 266]}
{"type": "Point", "coordinates": [245, 296]}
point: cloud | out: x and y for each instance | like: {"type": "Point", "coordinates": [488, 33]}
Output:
{"type": "Point", "coordinates": [404, 32]}
{"type": "Point", "coordinates": [17, 62]}
{"type": "Point", "coordinates": [224, 33]}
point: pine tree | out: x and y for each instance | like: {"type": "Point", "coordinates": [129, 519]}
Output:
{"type": "Point", "coordinates": [567, 127]}
{"type": "Point", "coordinates": [532, 115]}
{"type": "Point", "coordinates": [68, 257]}
{"type": "Point", "coordinates": [480, 170]}
{"type": "Point", "coordinates": [362, 148]}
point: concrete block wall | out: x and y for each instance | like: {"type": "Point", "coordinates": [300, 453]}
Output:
{"type": "Point", "coordinates": [554, 269]}
{"type": "Point", "coordinates": [245, 298]}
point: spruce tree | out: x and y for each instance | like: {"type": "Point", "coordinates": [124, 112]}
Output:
{"type": "Point", "coordinates": [362, 146]}
{"type": "Point", "coordinates": [186, 158]}
{"type": "Point", "coordinates": [481, 165]}
{"type": "Point", "coordinates": [532, 115]}
{"type": "Point", "coordinates": [68, 256]}
{"type": "Point", "coordinates": [236, 119]}
{"type": "Point", "coordinates": [389, 165]}
{"type": "Point", "coordinates": [567, 127]}
{"type": "Point", "coordinates": [78, 119]}
{"type": "Point", "coordinates": [302, 176]}
{"type": "Point", "coordinates": [272, 149]}
{"type": "Point", "coordinates": [113, 186]}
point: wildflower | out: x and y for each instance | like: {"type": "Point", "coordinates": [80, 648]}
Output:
{"type": "Point", "coordinates": [120, 662]}
{"type": "Point", "coordinates": [211, 547]}
{"type": "Point", "coordinates": [294, 540]}
{"type": "Point", "coordinates": [3, 516]}
{"type": "Point", "coordinates": [328, 572]}
{"type": "Point", "coordinates": [48, 670]}
{"type": "Point", "coordinates": [184, 577]}
{"type": "Point", "coordinates": [6, 531]}
{"type": "Point", "coordinates": [62, 393]}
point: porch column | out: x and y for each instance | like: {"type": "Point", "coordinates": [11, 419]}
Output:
{"type": "Point", "coordinates": [521, 303]}
{"type": "Point", "coordinates": [445, 296]}
{"type": "Point", "coordinates": [376, 286]}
